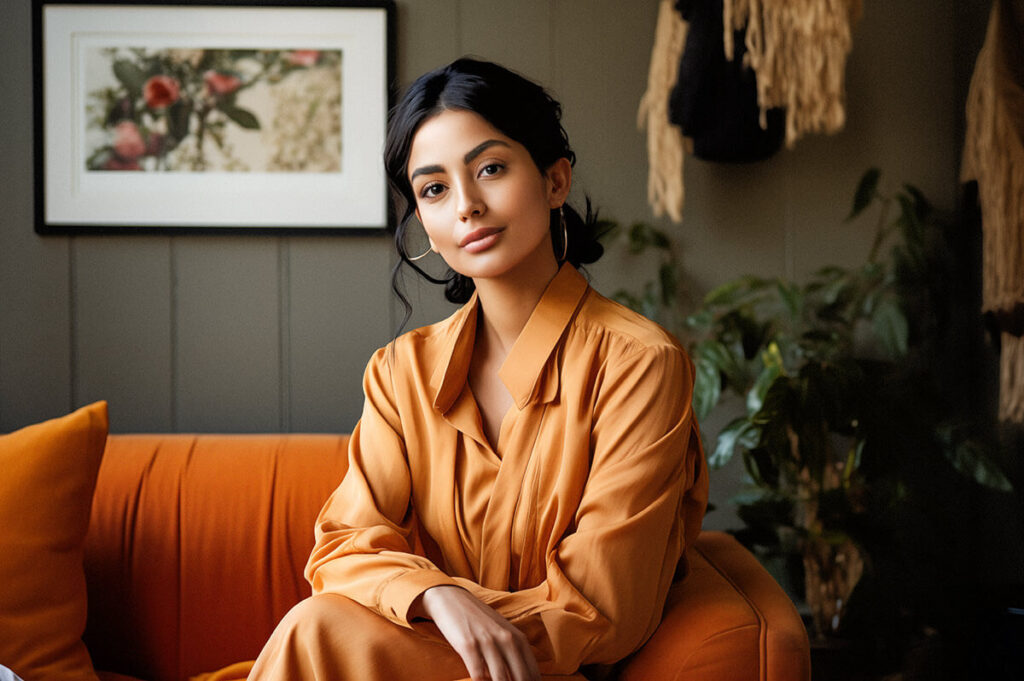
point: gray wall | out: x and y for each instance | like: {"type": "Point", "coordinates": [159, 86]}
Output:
{"type": "Point", "coordinates": [201, 333]}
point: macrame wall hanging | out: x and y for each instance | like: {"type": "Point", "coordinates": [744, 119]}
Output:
{"type": "Point", "coordinates": [994, 156]}
{"type": "Point", "coordinates": [797, 50]}
{"type": "Point", "coordinates": [665, 190]}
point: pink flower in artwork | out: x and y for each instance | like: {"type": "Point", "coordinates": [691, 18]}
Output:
{"type": "Point", "coordinates": [128, 142]}
{"type": "Point", "coordinates": [304, 57]}
{"type": "Point", "coordinates": [161, 91]}
{"type": "Point", "coordinates": [221, 83]}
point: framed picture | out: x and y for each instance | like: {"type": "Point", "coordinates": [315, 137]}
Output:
{"type": "Point", "coordinates": [216, 115]}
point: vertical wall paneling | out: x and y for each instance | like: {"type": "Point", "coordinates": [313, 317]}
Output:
{"type": "Point", "coordinates": [34, 322]}
{"type": "Point", "coordinates": [339, 302]}
{"type": "Point", "coordinates": [228, 345]}
{"type": "Point", "coordinates": [428, 37]}
{"type": "Point", "coordinates": [172, 321]}
{"type": "Point", "coordinates": [72, 328]}
{"type": "Point", "coordinates": [284, 326]}
{"type": "Point", "coordinates": [601, 54]}
{"type": "Point", "coordinates": [515, 34]}
{"type": "Point", "coordinates": [122, 329]}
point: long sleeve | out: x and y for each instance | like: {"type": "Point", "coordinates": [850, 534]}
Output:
{"type": "Point", "coordinates": [366, 532]}
{"type": "Point", "coordinates": [644, 498]}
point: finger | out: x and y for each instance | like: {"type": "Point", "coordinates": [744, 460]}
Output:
{"type": "Point", "coordinates": [475, 663]}
{"type": "Point", "coordinates": [530, 670]}
{"type": "Point", "coordinates": [495, 648]}
{"type": "Point", "coordinates": [519, 666]}
{"type": "Point", "coordinates": [531, 661]}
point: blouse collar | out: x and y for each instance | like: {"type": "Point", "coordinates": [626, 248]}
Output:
{"type": "Point", "coordinates": [528, 358]}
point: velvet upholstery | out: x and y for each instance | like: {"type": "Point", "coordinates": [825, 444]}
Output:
{"type": "Point", "coordinates": [197, 545]}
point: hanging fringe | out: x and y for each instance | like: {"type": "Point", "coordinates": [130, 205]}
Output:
{"type": "Point", "coordinates": [665, 191]}
{"type": "Point", "coordinates": [994, 156]}
{"type": "Point", "coordinates": [1011, 379]}
{"type": "Point", "coordinates": [798, 51]}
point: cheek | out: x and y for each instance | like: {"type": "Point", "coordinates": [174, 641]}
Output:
{"type": "Point", "coordinates": [435, 225]}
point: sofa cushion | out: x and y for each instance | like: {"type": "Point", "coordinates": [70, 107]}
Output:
{"type": "Point", "coordinates": [197, 544]}
{"type": "Point", "coordinates": [727, 620]}
{"type": "Point", "coordinates": [49, 471]}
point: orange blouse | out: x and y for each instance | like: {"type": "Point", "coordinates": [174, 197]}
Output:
{"type": "Point", "coordinates": [573, 526]}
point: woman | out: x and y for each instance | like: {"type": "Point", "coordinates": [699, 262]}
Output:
{"type": "Point", "coordinates": [525, 474]}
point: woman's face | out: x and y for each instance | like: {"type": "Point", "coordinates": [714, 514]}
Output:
{"type": "Point", "coordinates": [481, 199]}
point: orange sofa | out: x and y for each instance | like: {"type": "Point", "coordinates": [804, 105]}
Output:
{"type": "Point", "coordinates": [196, 547]}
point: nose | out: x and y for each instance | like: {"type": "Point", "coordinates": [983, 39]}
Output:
{"type": "Point", "coordinates": [471, 204]}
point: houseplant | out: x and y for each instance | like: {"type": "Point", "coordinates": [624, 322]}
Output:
{"type": "Point", "coordinates": [847, 419]}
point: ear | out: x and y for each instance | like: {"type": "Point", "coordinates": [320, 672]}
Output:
{"type": "Point", "coordinates": [559, 180]}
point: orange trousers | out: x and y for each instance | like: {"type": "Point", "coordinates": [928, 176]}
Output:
{"type": "Point", "coordinates": [332, 638]}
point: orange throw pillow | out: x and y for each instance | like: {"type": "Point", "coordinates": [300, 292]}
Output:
{"type": "Point", "coordinates": [47, 475]}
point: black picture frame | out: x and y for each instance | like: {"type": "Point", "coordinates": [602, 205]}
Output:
{"type": "Point", "coordinates": [114, 81]}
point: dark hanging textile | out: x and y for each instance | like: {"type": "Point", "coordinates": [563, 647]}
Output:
{"type": "Point", "coordinates": [714, 100]}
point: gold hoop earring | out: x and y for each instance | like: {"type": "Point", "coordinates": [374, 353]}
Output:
{"type": "Point", "coordinates": [423, 254]}
{"type": "Point", "coordinates": [565, 233]}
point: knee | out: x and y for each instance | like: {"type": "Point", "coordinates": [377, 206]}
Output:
{"type": "Point", "coordinates": [318, 612]}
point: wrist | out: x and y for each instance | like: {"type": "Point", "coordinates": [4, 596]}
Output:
{"type": "Point", "coordinates": [423, 605]}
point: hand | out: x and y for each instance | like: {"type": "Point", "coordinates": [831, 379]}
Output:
{"type": "Point", "coordinates": [491, 648]}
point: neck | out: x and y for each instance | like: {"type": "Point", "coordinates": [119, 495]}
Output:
{"type": "Point", "coordinates": [508, 301]}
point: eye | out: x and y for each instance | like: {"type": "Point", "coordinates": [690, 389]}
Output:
{"type": "Point", "coordinates": [491, 169]}
{"type": "Point", "coordinates": [431, 190]}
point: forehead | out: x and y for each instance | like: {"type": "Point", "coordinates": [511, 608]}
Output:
{"type": "Point", "coordinates": [450, 134]}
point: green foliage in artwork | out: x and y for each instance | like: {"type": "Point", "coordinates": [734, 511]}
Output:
{"type": "Point", "coordinates": [167, 98]}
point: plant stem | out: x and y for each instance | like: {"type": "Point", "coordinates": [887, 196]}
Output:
{"type": "Point", "coordinates": [880, 231]}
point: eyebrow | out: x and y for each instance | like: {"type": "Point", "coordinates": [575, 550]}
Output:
{"type": "Point", "coordinates": [470, 155]}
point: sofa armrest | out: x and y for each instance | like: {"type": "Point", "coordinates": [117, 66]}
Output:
{"type": "Point", "coordinates": [728, 620]}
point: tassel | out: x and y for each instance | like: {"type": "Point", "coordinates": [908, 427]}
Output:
{"type": "Point", "coordinates": [665, 144]}
{"type": "Point", "coordinates": [798, 50]}
{"type": "Point", "coordinates": [994, 156]}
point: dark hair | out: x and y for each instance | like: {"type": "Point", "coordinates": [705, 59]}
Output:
{"type": "Point", "coordinates": [517, 107]}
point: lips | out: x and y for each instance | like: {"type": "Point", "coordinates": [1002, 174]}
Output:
{"type": "Point", "coordinates": [480, 239]}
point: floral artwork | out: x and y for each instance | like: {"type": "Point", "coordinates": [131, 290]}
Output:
{"type": "Point", "coordinates": [213, 110]}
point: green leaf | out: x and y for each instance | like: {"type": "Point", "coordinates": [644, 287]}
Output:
{"type": "Point", "coordinates": [969, 458]}
{"type": "Point", "coordinates": [791, 296]}
{"type": "Point", "coordinates": [130, 75]}
{"type": "Point", "coordinates": [891, 327]}
{"type": "Point", "coordinates": [607, 230]}
{"type": "Point", "coordinates": [729, 292]}
{"type": "Point", "coordinates": [831, 272]}
{"type": "Point", "coordinates": [923, 207]}
{"type": "Point", "coordinates": [217, 135]}
{"type": "Point", "coordinates": [761, 467]}
{"type": "Point", "coordinates": [719, 355]}
{"type": "Point", "coordinates": [771, 371]}
{"type": "Point", "coordinates": [700, 320]}
{"type": "Point", "coordinates": [638, 238]}
{"type": "Point", "coordinates": [178, 117]}
{"type": "Point", "coordinates": [867, 190]}
{"type": "Point", "coordinates": [707, 387]}
{"type": "Point", "coordinates": [836, 291]}
{"type": "Point", "coordinates": [667, 276]}
{"type": "Point", "coordinates": [738, 432]}
{"type": "Point", "coordinates": [628, 299]}
{"type": "Point", "coordinates": [853, 459]}
{"type": "Point", "coordinates": [749, 495]}
{"type": "Point", "coordinates": [659, 239]}
{"type": "Point", "coordinates": [242, 117]}
{"type": "Point", "coordinates": [909, 223]}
